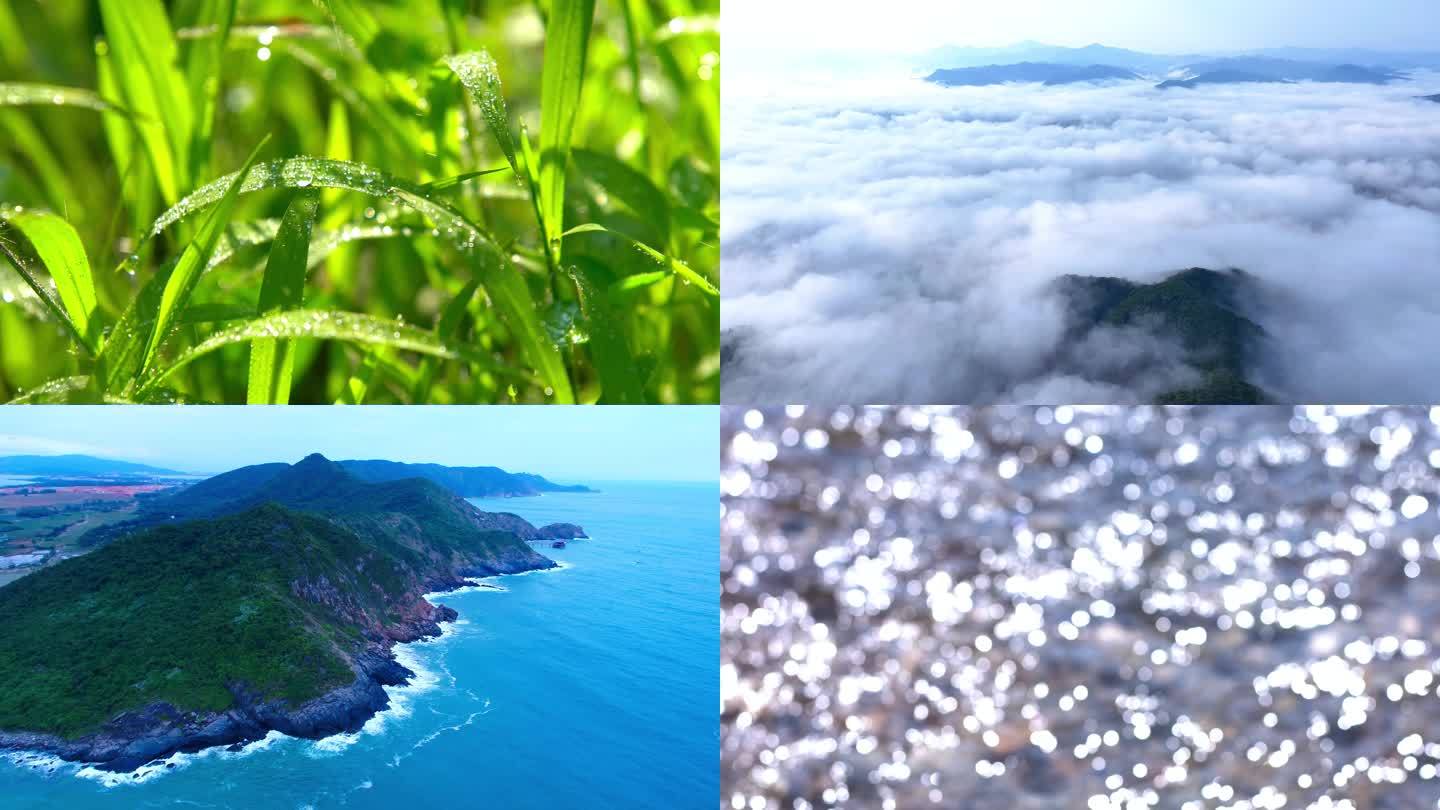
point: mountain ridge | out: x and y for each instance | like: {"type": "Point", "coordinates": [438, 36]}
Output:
{"type": "Point", "coordinates": [1044, 72]}
{"type": "Point", "coordinates": [1199, 311]}
{"type": "Point", "coordinates": [468, 482]}
{"type": "Point", "coordinates": [313, 482]}
{"type": "Point", "coordinates": [76, 464]}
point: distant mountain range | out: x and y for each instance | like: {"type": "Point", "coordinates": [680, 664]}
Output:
{"type": "Point", "coordinates": [467, 482]}
{"type": "Point", "coordinates": [75, 465]}
{"type": "Point", "coordinates": [1267, 69]}
{"type": "Point", "coordinates": [959, 57]}
{"type": "Point", "coordinates": [1053, 65]}
{"type": "Point", "coordinates": [1046, 73]}
{"type": "Point", "coordinates": [1160, 64]}
{"type": "Point", "coordinates": [313, 484]}
{"type": "Point", "coordinates": [269, 601]}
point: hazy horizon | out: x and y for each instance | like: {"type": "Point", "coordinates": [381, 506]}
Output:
{"type": "Point", "coordinates": [1156, 26]}
{"type": "Point", "coordinates": [566, 445]}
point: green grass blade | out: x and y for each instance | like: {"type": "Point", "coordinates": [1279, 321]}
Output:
{"type": "Point", "coordinates": [352, 18]}
{"type": "Point", "coordinates": [24, 264]}
{"type": "Point", "coordinates": [307, 172]}
{"type": "Point", "coordinates": [449, 323]}
{"type": "Point", "coordinates": [61, 390]}
{"type": "Point", "coordinates": [478, 72]}
{"type": "Point", "coordinates": [60, 250]}
{"type": "Point", "coordinates": [323, 242]}
{"type": "Point", "coordinates": [182, 278]}
{"type": "Point", "coordinates": [21, 94]}
{"type": "Point", "coordinates": [507, 291]}
{"type": "Point", "coordinates": [459, 179]}
{"type": "Point", "coordinates": [679, 268]}
{"type": "Point", "coordinates": [618, 373]}
{"type": "Point", "coordinates": [23, 137]}
{"type": "Point", "coordinates": [328, 325]}
{"type": "Point", "coordinates": [271, 361]}
{"type": "Point", "coordinates": [14, 49]}
{"type": "Point", "coordinates": [144, 58]}
{"type": "Point", "coordinates": [202, 75]}
{"type": "Point", "coordinates": [567, 35]}
{"type": "Point", "coordinates": [629, 186]}
{"type": "Point", "coordinates": [137, 188]}
{"type": "Point", "coordinates": [639, 281]}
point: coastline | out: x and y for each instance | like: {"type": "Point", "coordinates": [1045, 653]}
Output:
{"type": "Point", "coordinates": [152, 744]}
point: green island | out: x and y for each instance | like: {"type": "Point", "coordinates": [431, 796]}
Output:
{"type": "Point", "coordinates": [267, 599]}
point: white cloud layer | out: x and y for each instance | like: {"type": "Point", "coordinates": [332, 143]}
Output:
{"type": "Point", "coordinates": [895, 241]}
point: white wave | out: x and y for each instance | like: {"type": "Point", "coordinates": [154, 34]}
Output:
{"type": "Point", "coordinates": [37, 761]}
{"type": "Point", "coordinates": [262, 744]}
{"type": "Point", "coordinates": [437, 733]}
{"type": "Point", "coordinates": [156, 768]}
{"type": "Point", "coordinates": [476, 585]}
{"type": "Point", "coordinates": [401, 697]}
{"type": "Point", "coordinates": [560, 565]}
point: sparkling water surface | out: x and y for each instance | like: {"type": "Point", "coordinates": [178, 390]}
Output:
{"type": "Point", "coordinates": [1202, 609]}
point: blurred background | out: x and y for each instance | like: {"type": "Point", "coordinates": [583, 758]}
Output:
{"type": "Point", "coordinates": [1226, 607]}
{"type": "Point", "coordinates": [364, 82]}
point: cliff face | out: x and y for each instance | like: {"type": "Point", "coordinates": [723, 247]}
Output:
{"type": "Point", "coordinates": [215, 631]}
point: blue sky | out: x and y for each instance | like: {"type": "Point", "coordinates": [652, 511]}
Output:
{"type": "Point", "coordinates": [567, 444]}
{"type": "Point", "coordinates": [1165, 26]}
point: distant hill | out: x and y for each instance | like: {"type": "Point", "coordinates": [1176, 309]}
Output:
{"type": "Point", "coordinates": [1217, 77]}
{"type": "Point", "coordinates": [75, 465]}
{"type": "Point", "coordinates": [1096, 54]}
{"type": "Point", "coordinates": [1401, 60]}
{"type": "Point", "coordinates": [1231, 70]}
{"type": "Point", "coordinates": [313, 484]}
{"type": "Point", "coordinates": [1197, 309]}
{"type": "Point", "coordinates": [278, 614]}
{"type": "Point", "coordinates": [1048, 73]}
{"type": "Point", "coordinates": [469, 482]}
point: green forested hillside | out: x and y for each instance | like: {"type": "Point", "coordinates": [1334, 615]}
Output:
{"type": "Point", "coordinates": [270, 599]}
{"type": "Point", "coordinates": [178, 614]}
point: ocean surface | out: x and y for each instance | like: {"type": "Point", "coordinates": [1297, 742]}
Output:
{"type": "Point", "coordinates": [591, 686]}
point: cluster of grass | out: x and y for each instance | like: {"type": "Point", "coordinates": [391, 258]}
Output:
{"type": "Point", "coordinates": [403, 201]}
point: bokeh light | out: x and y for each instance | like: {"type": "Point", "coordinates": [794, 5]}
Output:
{"type": "Point", "coordinates": [1080, 608]}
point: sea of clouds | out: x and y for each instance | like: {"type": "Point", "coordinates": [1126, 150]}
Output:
{"type": "Point", "coordinates": [897, 241]}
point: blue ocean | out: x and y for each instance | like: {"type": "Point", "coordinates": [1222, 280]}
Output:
{"type": "Point", "coordinates": [590, 686]}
